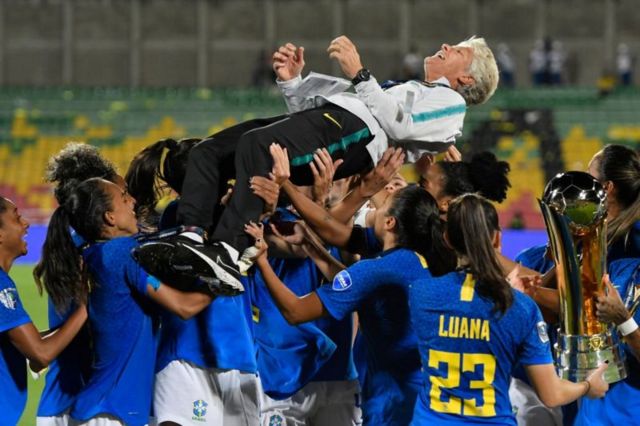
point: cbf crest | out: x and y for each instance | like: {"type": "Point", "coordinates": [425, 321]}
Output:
{"type": "Point", "coordinates": [199, 410]}
{"type": "Point", "coordinates": [9, 298]}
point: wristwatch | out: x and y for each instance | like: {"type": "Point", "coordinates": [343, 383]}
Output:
{"type": "Point", "coordinates": [362, 75]}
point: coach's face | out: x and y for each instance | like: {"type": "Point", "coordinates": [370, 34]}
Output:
{"type": "Point", "coordinates": [451, 62]}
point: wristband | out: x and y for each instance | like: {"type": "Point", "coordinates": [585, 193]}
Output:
{"type": "Point", "coordinates": [588, 388]}
{"type": "Point", "coordinates": [628, 327]}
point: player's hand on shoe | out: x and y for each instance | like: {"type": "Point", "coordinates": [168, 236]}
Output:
{"type": "Point", "coordinates": [268, 190]}
{"type": "Point", "coordinates": [288, 61]}
{"type": "Point", "coordinates": [609, 305]}
{"type": "Point", "coordinates": [323, 168]}
{"type": "Point", "coordinates": [597, 385]}
{"type": "Point", "coordinates": [344, 51]}
{"type": "Point", "coordinates": [280, 171]}
{"type": "Point", "coordinates": [256, 230]}
{"type": "Point", "coordinates": [383, 172]}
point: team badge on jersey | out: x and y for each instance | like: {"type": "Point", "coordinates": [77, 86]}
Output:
{"type": "Point", "coordinates": [542, 331]}
{"type": "Point", "coordinates": [8, 298]}
{"type": "Point", "coordinates": [342, 281]}
{"type": "Point", "coordinates": [199, 410]}
{"type": "Point", "coordinates": [276, 420]}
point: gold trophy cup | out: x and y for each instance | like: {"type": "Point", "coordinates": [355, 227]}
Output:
{"type": "Point", "coordinates": [574, 210]}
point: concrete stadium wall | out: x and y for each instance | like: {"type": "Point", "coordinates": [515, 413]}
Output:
{"type": "Point", "coordinates": [218, 42]}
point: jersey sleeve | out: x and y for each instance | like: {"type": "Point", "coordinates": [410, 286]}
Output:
{"type": "Point", "coordinates": [351, 286]}
{"type": "Point", "coordinates": [136, 277]}
{"type": "Point", "coordinates": [535, 348]}
{"type": "Point", "coordinates": [12, 313]}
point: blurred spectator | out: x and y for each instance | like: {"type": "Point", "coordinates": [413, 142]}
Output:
{"type": "Point", "coordinates": [412, 65]}
{"type": "Point", "coordinates": [538, 64]}
{"type": "Point", "coordinates": [263, 75]}
{"type": "Point", "coordinates": [624, 65]}
{"type": "Point", "coordinates": [557, 58]}
{"type": "Point", "coordinates": [506, 65]}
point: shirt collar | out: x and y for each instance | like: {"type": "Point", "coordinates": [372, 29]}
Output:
{"type": "Point", "coordinates": [442, 80]}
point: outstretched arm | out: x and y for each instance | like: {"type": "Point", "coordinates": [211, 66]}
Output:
{"type": "Point", "coordinates": [295, 309]}
{"type": "Point", "coordinates": [554, 391]}
{"type": "Point", "coordinates": [40, 351]}
{"type": "Point", "coordinates": [389, 111]}
{"type": "Point", "coordinates": [184, 304]}
{"type": "Point", "coordinates": [321, 221]}
{"type": "Point", "coordinates": [370, 184]}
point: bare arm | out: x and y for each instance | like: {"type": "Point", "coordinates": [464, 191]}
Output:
{"type": "Point", "coordinates": [328, 228]}
{"type": "Point", "coordinates": [554, 391]}
{"type": "Point", "coordinates": [40, 351]}
{"type": "Point", "coordinates": [295, 309]}
{"type": "Point", "coordinates": [370, 184]}
{"type": "Point", "coordinates": [183, 304]}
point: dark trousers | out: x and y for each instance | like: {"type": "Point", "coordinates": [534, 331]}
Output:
{"type": "Point", "coordinates": [211, 164]}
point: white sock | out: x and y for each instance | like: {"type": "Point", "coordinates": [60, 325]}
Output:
{"type": "Point", "coordinates": [193, 236]}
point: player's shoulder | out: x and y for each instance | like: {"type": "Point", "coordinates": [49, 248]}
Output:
{"type": "Point", "coordinates": [5, 280]}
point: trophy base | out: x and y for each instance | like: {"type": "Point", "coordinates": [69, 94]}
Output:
{"type": "Point", "coordinates": [577, 356]}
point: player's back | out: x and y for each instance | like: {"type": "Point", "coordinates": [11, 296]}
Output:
{"type": "Point", "coordinates": [468, 350]}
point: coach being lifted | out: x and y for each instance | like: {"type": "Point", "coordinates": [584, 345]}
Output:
{"type": "Point", "coordinates": [418, 116]}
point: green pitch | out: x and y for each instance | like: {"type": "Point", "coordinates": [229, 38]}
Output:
{"type": "Point", "coordinates": [36, 306]}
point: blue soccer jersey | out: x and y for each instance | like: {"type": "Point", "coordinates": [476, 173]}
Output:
{"type": "Point", "coordinates": [13, 367]}
{"type": "Point", "coordinates": [377, 290]}
{"type": "Point", "coordinates": [468, 352]}
{"type": "Point", "coordinates": [621, 404]}
{"type": "Point", "coordinates": [316, 351]}
{"type": "Point", "coordinates": [68, 373]}
{"type": "Point", "coordinates": [218, 337]}
{"type": "Point", "coordinates": [123, 323]}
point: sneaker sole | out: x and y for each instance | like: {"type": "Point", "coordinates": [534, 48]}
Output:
{"type": "Point", "coordinates": [220, 273]}
{"type": "Point", "coordinates": [150, 261]}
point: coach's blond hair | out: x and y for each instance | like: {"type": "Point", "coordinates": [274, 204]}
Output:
{"type": "Point", "coordinates": [484, 71]}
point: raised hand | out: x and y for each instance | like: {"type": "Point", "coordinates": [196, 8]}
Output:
{"type": "Point", "coordinates": [452, 154]}
{"type": "Point", "coordinates": [280, 171]}
{"type": "Point", "coordinates": [381, 174]}
{"type": "Point", "coordinates": [256, 230]}
{"type": "Point", "coordinates": [288, 61]}
{"type": "Point", "coordinates": [266, 189]}
{"type": "Point", "coordinates": [323, 169]}
{"type": "Point", "coordinates": [344, 51]}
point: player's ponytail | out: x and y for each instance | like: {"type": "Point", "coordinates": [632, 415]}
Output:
{"type": "Point", "coordinates": [419, 227]}
{"type": "Point", "coordinates": [60, 270]}
{"type": "Point", "coordinates": [471, 226]}
{"type": "Point", "coordinates": [621, 165]}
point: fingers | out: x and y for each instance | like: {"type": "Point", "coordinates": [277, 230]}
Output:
{"type": "Point", "coordinates": [452, 154]}
{"type": "Point", "coordinates": [256, 230]}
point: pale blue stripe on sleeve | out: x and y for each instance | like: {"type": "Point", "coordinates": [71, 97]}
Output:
{"type": "Point", "coordinates": [439, 113]}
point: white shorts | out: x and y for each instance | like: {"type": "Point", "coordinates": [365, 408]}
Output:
{"type": "Point", "coordinates": [100, 420]}
{"type": "Point", "coordinates": [59, 420]}
{"type": "Point", "coordinates": [318, 404]}
{"type": "Point", "coordinates": [190, 395]}
{"type": "Point", "coordinates": [528, 408]}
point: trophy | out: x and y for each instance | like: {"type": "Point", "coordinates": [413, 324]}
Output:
{"type": "Point", "coordinates": [574, 210]}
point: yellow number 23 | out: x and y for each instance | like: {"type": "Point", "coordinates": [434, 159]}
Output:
{"type": "Point", "coordinates": [465, 407]}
